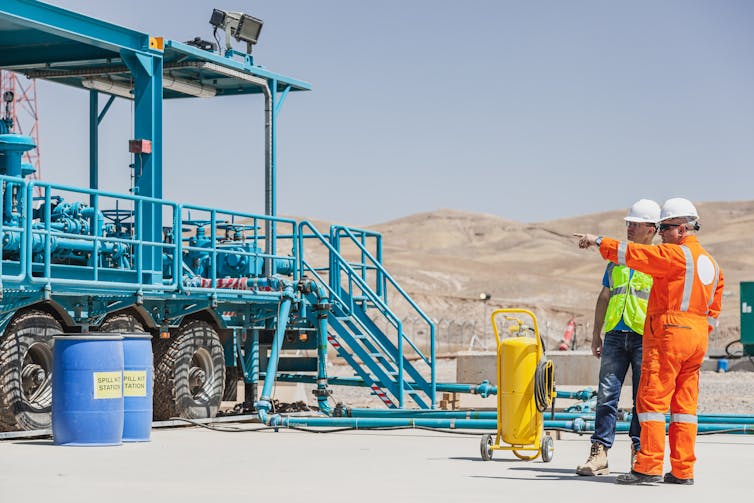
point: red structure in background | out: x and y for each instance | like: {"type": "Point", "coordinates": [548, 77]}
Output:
{"type": "Point", "coordinates": [24, 112]}
{"type": "Point", "coordinates": [569, 337]}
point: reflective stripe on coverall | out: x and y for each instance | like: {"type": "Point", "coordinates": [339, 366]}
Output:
{"type": "Point", "coordinates": [683, 307]}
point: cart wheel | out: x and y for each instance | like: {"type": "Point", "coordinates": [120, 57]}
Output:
{"type": "Point", "coordinates": [548, 449]}
{"type": "Point", "coordinates": [485, 447]}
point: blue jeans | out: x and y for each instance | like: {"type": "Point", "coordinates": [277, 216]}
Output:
{"type": "Point", "coordinates": [619, 349]}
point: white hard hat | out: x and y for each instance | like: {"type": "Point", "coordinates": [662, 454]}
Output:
{"type": "Point", "coordinates": [678, 207]}
{"type": "Point", "coordinates": [644, 210]}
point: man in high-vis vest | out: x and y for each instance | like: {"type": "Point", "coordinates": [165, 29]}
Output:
{"type": "Point", "coordinates": [621, 309]}
{"type": "Point", "coordinates": [683, 308]}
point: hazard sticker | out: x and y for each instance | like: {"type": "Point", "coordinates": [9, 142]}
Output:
{"type": "Point", "coordinates": [108, 385]}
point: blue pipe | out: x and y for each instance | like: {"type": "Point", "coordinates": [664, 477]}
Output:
{"type": "Point", "coordinates": [577, 425]}
{"type": "Point", "coordinates": [263, 405]}
{"type": "Point", "coordinates": [445, 414]}
{"type": "Point", "coordinates": [322, 392]}
{"type": "Point", "coordinates": [491, 414]}
{"type": "Point", "coordinates": [483, 389]}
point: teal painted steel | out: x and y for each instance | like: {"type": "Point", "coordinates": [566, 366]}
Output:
{"type": "Point", "coordinates": [264, 404]}
{"type": "Point", "coordinates": [747, 317]}
{"type": "Point", "coordinates": [41, 17]}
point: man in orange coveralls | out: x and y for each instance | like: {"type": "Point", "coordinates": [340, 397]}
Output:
{"type": "Point", "coordinates": [683, 307]}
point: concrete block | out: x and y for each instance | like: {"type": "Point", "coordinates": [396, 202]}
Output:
{"type": "Point", "coordinates": [475, 367]}
{"type": "Point", "coordinates": [578, 368]}
{"type": "Point", "coordinates": [734, 364]}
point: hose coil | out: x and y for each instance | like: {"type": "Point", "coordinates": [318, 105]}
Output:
{"type": "Point", "coordinates": [544, 385]}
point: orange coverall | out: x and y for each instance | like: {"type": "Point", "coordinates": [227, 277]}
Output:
{"type": "Point", "coordinates": [682, 310]}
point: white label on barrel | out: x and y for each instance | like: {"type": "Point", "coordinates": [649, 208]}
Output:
{"type": "Point", "coordinates": [108, 385]}
{"type": "Point", "coordinates": [135, 383]}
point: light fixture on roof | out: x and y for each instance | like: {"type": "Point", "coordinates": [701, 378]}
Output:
{"type": "Point", "coordinates": [124, 90]}
{"type": "Point", "coordinates": [238, 25]}
{"type": "Point", "coordinates": [109, 86]}
{"type": "Point", "coordinates": [187, 87]}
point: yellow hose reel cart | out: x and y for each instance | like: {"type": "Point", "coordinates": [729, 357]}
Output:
{"type": "Point", "coordinates": [525, 389]}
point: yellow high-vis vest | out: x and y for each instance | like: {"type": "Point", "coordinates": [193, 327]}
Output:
{"type": "Point", "coordinates": [628, 298]}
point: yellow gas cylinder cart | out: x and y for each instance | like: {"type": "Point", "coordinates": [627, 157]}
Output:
{"type": "Point", "coordinates": [525, 388]}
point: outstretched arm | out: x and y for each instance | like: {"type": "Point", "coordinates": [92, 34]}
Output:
{"type": "Point", "coordinates": [655, 260]}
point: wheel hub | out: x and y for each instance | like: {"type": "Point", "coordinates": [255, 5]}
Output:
{"type": "Point", "coordinates": [36, 371]}
{"type": "Point", "coordinates": [201, 367]}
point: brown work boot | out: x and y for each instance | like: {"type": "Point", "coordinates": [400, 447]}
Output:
{"type": "Point", "coordinates": [634, 452]}
{"type": "Point", "coordinates": [597, 462]}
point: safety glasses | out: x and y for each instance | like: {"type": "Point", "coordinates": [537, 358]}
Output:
{"type": "Point", "coordinates": [639, 224]}
{"type": "Point", "coordinates": [664, 227]}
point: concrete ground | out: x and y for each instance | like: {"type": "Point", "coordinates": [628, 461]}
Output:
{"type": "Point", "coordinates": [198, 465]}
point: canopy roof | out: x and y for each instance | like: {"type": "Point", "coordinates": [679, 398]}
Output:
{"type": "Point", "coordinates": [47, 42]}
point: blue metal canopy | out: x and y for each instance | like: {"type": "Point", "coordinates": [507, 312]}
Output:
{"type": "Point", "coordinates": [47, 42]}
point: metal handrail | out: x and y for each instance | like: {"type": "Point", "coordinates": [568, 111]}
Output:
{"type": "Point", "coordinates": [386, 275]}
{"type": "Point", "coordinates": [372, 296]}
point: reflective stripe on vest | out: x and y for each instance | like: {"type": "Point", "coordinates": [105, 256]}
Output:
{"type": "Point", "coordinates": [628, 298]}
{"type": "Point", "coordinates": [651, 416]}
{"type": "Point", "coordinates": [683, 418]}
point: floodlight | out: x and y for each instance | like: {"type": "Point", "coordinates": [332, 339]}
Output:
{"type": "Point", "coordinates": [248, 29]}
{"type": "Point", "coordinates": [242, 27]}
{"type": "Point", "coordinates": [218, 18]}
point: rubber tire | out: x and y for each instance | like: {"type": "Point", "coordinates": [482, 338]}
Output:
{"type": "Point", "coordinates": [173, 358]}
{"type": "Point", "coordinates": [232, 376]}
{"type": "Point", "coordinates": [16, 412]}
{"type": "Point", "coordinates": [122, 323]}
{"type": "Point", "coordinates": [485, 447]}
{"type": "Point", "coordinates": [547, 448]}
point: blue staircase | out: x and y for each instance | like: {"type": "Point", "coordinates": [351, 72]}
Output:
{"type": "Point", "coordinates": [357, 292]}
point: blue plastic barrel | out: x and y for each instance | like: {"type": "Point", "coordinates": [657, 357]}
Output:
{"type": "Point", "coordinates": [722, 365]}
{"type": "Point", "coordinates": [137, 387]}
{"type": "Point", "coordinates": [87, 389]}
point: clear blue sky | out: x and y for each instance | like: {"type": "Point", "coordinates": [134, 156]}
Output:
{"type": "Point", "coordinates": [529, 110]}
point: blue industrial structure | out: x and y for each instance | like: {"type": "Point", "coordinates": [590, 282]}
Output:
{"type": "Point", "coordinates": [223, 293]}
